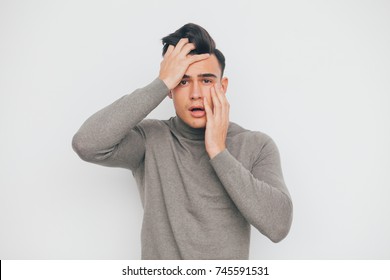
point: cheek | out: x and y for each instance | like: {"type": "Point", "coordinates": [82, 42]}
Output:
{"type": "Point", "coordinates": [178, 100]}
{"type": "Point", "coordinates": [179, 93]}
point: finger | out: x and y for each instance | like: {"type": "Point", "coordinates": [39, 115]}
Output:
{"type": "Point", "coordinates": [224, 112]}
{"type": "Point", "coordinates": [198, 57]}
{"type": "Point", "coordinates": [217, 104]}
{"type": "Point", "coordinates": [209, 112]}
{"type": "Point", "coordinates": [169, 50]}
{"type": "Point", "coordinates": [225, 104]}
{"type": "Point", "coordinates": [218, 97]}
{"type": "Point", "coordinates": [187, 48]}
{"type": "Point", "coordinates": [221, 95]}
{"type": "Point", "coordinates": [180, 45]}
{"type": "Point", "coordinates": [218, 92]}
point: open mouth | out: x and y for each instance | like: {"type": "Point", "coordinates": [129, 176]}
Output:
{"type": "Point", "coordinates": [197, 111]}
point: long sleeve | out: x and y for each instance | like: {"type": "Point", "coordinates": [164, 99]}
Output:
{"type": "Point", "coordinates": [111, 137]}
{"type": "Point", "coordinates": [260, 194]}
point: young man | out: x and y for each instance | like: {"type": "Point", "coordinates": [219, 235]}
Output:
{"type": "Point", "coordinates": [202, 179]}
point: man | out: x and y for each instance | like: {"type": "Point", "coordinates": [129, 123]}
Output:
{"type": "Point", "coordinates": [202, 179]}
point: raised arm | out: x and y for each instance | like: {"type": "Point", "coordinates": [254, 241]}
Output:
{"type": "Point", "coordinates": [260, 194]}
{"type": "Point", "coordinates": [110, 137]}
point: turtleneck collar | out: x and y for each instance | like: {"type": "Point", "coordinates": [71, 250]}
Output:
{"type": "Point", "coordinates": [187, 131]}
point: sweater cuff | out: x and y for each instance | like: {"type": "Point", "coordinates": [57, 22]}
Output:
{"type": "Point", "coordinates": [223, 163]}
{"type": "Point", "coordinates": [157, 85]}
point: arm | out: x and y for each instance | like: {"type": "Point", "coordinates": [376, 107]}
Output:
{"type": "Point", "coordinates": [110, 137]}
{"type": "Point", "coordinates": [260, 194]}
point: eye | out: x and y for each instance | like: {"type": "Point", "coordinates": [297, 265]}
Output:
{"type": "Point", "coordinates": [207, 81]}
{"type": "Point", "coordinates": [183, 82]}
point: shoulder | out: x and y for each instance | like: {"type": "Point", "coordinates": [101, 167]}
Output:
{"type": "Point", "coordinates": [257, 143]}
{"type": "Point", "coordinates": [152, 126]}
{"type": "Point", "coordinates": [257, 137]}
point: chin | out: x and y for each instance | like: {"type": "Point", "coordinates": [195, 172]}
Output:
{"type": "Point", "coordinates": [197, 123]}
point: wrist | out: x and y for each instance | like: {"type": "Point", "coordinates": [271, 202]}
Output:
{"type": "Point", "coordinates": [167, 82]}
{"type": "Point", "coordinates": [214, 152]}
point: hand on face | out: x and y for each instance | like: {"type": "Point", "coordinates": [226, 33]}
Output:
{"type": "Point", "coordinates": [176, 61]}
{"type": "Point", "coordinates": [217, 121]}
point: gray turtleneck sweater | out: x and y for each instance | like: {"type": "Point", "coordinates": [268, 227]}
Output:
{"type": "Point", "coordinates": [194, 207]}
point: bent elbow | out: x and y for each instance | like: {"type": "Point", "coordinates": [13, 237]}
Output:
{"type": "Point", "coordinates": [81, 148]}
{"type": "Point", "coordinates": [282, 227]}
{"type": "Point", "coordinates": [279, 234]}
{"type": "Point", "coordinates": [276, 225]}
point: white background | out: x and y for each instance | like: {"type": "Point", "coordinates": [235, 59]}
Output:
{"type": "Point", "coordinates": [314, 75]}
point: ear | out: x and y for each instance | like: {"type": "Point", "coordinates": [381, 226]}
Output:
{"type": "Point", "coordinates": [224, 84]}
{"type": "Point", "coordinates": [170, 94]}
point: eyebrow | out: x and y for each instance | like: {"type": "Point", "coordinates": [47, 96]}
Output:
{"type": "Point", "coordinates": [205, 75]}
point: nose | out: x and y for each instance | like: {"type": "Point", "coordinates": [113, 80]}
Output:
{"type": "Point", "coordinates": [196, 92]}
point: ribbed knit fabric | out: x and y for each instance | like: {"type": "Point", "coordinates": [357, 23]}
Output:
{"type": "Point", "coordinates": [194, 207]}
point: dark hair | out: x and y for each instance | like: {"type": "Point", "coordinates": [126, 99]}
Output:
{"type": "Point", "coordinates": [199, 37]}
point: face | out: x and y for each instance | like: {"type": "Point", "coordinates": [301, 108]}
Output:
{"type": "Point", "coordinates": [196, 84]}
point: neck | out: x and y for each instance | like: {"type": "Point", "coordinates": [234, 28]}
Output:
{"type": "Point", "coordinates": [187, 131]}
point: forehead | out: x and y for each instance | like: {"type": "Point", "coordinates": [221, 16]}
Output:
{"type": "Point", "coordinates": [209, 65]}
